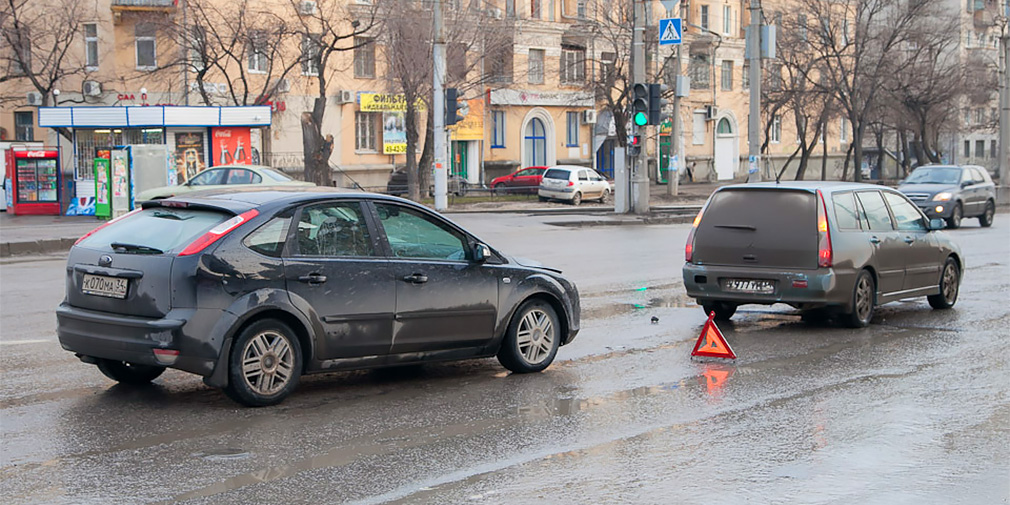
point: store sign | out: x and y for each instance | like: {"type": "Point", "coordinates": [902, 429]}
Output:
{"type": "Point", "coordinates": [394, 133]}
{"type": "Point", "coordinates": [385, 102]}
{"type": "Point", "coordinates": [35, 154]}
{"type": "Point", "coordinates": [542, 98]}
{"type": "Point", "coordinates": [231, 146]}
{"type": "Point", "coordinates": [472, 125]}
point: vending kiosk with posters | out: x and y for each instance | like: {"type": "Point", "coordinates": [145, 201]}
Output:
{"type": "Point", "coordinates": [35, 180]}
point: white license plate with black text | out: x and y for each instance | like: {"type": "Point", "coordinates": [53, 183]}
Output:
{"type": "Point", "coordinates": [101, 285]}
{"type": "Point", "coordinates": [749, 286]}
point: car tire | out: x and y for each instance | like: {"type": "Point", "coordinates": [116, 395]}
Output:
{"type": "Point", "coordinates": [265, 364]}
{"type": "Point", "coordinates": [606, 196]}
{"type": "Point", "coordinates": [498, 189]}
{"type": "Point", "coordinates": [543, 198]}
{"type": "Point", "coordinates": [863, 301]}
{"type": "Point", "coordinates": [723, 310]}
{"type": "Point", "coordinates": [985, 220]}
{"type": "Point", "coordinates": [954, 221]}
{"type": "Point", "coordinates": [577, 198]}
{"type": "Point", "coordinates": [129, 373]}
{"type": "Point", "coordinates": [532, 338]}
{"type": "Point", "coordinates": [950, 285]}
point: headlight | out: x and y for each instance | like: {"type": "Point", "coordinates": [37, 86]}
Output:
{"type": "Point", "coordinates": [942, 196]}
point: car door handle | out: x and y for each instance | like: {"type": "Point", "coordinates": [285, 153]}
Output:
{"type": "Point", "coordinates": [874, 240]}
{"type": "Point", "coordinates": [313, 278]}
{"type": "Point", "coordinates": [909, 240]}
{"type": "Point", "coordinates": [416, 278]}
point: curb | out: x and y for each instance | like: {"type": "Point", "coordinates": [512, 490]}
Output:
{"type": "Point", "coordinates": [36, 247]}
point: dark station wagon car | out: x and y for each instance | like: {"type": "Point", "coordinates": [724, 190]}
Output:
{"type": "Point", "coordinates": [252, 289]}
{"type": "Point", "coordinates": [828, 249]}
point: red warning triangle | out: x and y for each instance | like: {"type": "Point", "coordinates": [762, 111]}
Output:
{"type": "Point", "coordinates": [711, 343]}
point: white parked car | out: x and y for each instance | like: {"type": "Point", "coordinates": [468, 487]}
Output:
{"type": "Point", "coordinates": [574, 183]}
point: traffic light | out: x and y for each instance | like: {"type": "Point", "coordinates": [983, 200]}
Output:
{"type": "Point", "coordinates": [656, 103]}
{"type": "Point", "coordinates": [634, 145]}
{"type": "Point", "coordinates": [640, 104]}
{"type": "Point", "coordinates": [452, 109]}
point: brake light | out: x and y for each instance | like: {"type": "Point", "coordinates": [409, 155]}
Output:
{"type": "Point", "coordinates": [570, 183]}
{"type": "Point", "coordinates": [689, 248]}
{"type": "Point", "coordinates": [92, 232]}
{"type": "Point", "coordinates": [217, 232]}
{"type": "Point", "coordinates": [824, 254]}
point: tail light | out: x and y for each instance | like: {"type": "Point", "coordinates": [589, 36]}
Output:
{"type": "Point", "coordinates": [570, 183]}
{"type": "Point", "coordinates": [217, 232]}
{"type": "Point", "coordinates": [824, 254]}
{"type": "Point", "coordinates": [120, 218]}
{"type": "Point", "coordinates": [689, 248]}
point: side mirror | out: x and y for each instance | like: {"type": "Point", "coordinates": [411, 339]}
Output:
{"type": "Point", "coordinates": [481, 253]}
{"type": "Point", "coordinates": [936, 224]}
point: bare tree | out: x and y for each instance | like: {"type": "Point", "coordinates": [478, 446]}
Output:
{"type": "Point", "coordinates": [41, 39]}
{"type": "Point", "coordinates": [611, 34]}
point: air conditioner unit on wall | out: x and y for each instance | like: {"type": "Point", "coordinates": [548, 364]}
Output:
{"type": "Point", "coordinates": [711, 111]}
{"type": "Point", "coordinates": [494, 13]}
{"type": "Point", "coordinates": [589, 117]}
{"type": "Point", "coordinates": [34, 98]}
{"type": "Point", "coordinates": [307, 8]}
{"type": "Point", "coordinates": [343, 96]}
{"type": "Point", "coordinates": [92, 88]}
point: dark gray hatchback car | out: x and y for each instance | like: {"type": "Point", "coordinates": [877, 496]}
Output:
{"type": "Point", "coordinates": [952, 193]}
{"type": "Point", "coordinates": [253, 289]}
{"type": "Point", "coordinates": [828, 249]}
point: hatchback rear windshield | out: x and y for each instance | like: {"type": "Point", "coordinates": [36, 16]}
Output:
{"type": "Point", "coordinates": [557, 173]}
{"type": "Point", "coordinates": [155, 230]}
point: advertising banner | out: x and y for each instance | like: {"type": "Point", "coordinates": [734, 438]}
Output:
{"type": "Point", "coordinates": [385, 102]}
{"type": "Point", "coordinates": [472, 125]}
{"type": "Point", "coordinates": [230, 145]}
{"type": "Point", "coordinates": [103, 188]}
{"type": "Point", "coordinates": [120, 182]}
{"type": "Point", "coordinates": [394, 133]}
{"type": "Point", "coordinates": [188, 155]}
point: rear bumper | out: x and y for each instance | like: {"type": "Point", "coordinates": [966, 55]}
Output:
{"type": "Point", "coordinates": [134, 339]}
{"type": "Point", "coordinates": [824, 286]}
{"type": "Point", "coordinates": [565, 193]}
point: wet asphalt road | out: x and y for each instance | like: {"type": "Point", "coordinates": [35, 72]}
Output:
{"type": "Point", "coordinates": [914, 409]}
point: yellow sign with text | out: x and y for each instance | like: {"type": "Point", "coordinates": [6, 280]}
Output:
{"type": "Point", "coordinates": [385, 102]}
{"type": "Point", "coordinates": [472, 125]}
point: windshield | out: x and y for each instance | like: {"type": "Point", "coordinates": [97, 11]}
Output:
{"type": "Point", "coordinates": [275, 175]}
{"type": "Point", "coordinates": [935, 175]}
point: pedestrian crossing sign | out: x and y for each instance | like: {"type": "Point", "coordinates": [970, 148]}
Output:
{"type": "Point", "coordinates": [669, 31]}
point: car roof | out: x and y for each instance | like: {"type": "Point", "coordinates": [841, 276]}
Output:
{"type": "Point", "coordinates": [241, 199]}
{"type": "Point", "coordinates": [568, 167]}
{"type": "Point", "coordinates": [811, 186]}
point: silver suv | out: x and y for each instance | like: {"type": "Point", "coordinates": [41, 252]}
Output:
{"type": "Point", "coordinates": [952, 193]}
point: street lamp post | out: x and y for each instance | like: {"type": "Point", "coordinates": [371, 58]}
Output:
{"type": "Point", "coordinates": [1003, 195]}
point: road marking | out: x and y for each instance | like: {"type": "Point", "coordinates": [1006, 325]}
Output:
{"type": "Point", "coordinates": [18, 342]}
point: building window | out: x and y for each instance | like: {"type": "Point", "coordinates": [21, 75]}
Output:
{"type": "Point", "coordinates": [704, 17]}
{"type": "Point", "coordinates": [91, 46]}
{"type": "Point", "coordinates": [980, 149]}
{"type": "Point", "coordinates": [510, 8]}
{"type": "Point", "coordinates": [310, 54]}
{"type": "Point", "coordinates": [745, 76]}
{"type": "Point", "coordinates": [843, 131]}
{"type": "Point", "coordinates": [534, 9]}
{"type": "Point", "coordinates": [536, 143]}
{"type": "Point", "coordinates": [775, 77]}
{"type": "Point", "coordinates": [573, 130]}
{"type": "Point", "coordinates": [580, 9]}
{"type": "Point", "coordinates": [699, 70]}
{"type": "Point", "coordinates": [727, 75]}
{"type": "Point", "coordinates": [980, 116]}
{"type": "Point", "coordinates": [967, 149]}
{"type": "Point", "coordinates": [257, 53]}
{"type": "Point", "coordinates": [364, 131]}
{"type": "Point", "coordinates": [498, 63]}
{"type": "Point", "coordinates": [727, 19]}
{"type": "Point", "coordinates": [573, 65]}
{"type": "Point", "coordinates": [144, 33]}
{"type": "Point", "coordinates": [24, 129]}
{"type": "Point", "coordinates": [775, 135]}
{"type": "Point", "coordinates": [364, 58]}
{"type": "Point", "coordinates": [992, 149]}
{"type": "Point", "coordinates": [536, 72]}
{"type": "Point", "coordinates": [497, 129]}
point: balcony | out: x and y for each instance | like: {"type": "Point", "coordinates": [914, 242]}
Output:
{"type": "Point", "coordinates": [144, 5]}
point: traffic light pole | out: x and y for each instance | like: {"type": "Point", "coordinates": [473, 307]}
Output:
{"type": "Point", "coordinates": [754, 120]}
{"type": "Point", "coordinates": [639, 179]}
{"type": "Point", "coordinates": [438, 111]}
{"type": "Point", "coordinates": [673, 169]}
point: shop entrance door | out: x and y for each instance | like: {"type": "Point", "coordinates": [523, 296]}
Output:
{"type": "Point", "coordinates": [459, 152]}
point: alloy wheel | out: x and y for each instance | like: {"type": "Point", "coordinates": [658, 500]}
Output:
{"type": "Point", "coordinates": [535, 337]}
{"type": "Point", "coordinates": [267, 363]}
{"type": "Point", "coordinates": [950, 283]}
{"type": "Point", "coordinates": [864, 299]}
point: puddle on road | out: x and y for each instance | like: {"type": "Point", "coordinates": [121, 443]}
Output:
{"type": "Point", "coordinates": [223, 454]}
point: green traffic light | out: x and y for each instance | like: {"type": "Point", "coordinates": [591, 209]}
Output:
{"type": "Point", "coordinates": [641, 118]}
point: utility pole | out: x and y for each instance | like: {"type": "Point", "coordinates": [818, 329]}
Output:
{"type": "Point", "coordinates": [639, 179]}
{"type": "Point", "coordinates": [673, 168]}
{"type": "Point", "coordinates": [438, 110]}
{"type": "Point", "coordinates": [1003, 195]}
{"type": "Point", "coordinates": [754, 119]}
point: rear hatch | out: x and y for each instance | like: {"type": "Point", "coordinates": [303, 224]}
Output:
{"type": "Point", "coordinates": [556, 178]}
{"type": "Point", "coordinates": [767, 228]}
{"type": "Point", "coordinates": [125, 267]}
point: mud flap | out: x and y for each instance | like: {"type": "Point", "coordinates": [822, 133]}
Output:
{"type": "Point", "coordinates": [219, 377]}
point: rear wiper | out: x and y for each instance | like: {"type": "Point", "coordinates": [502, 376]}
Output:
{"type": "Point", "coordinates": [737, 226]}
{"type": "Point", "coordinates": [168, 215]}
{"type": "Point", "coordinates": [137, 248]}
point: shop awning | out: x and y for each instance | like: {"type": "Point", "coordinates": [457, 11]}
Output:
{"type": "Point", "coordinates": [154, 115]}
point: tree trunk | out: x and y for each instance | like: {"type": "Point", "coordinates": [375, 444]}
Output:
{"type": "Point", "coordinates": [848, 158]}
{"type": "Point", "coordinates": [315, 148]}
{"type": "Point", "coordinates": [413, 188]}
{"type": "Point", "coordinates": [786, 164]}
{"type": "Point", "coordinates": [880, 150]}
{"type": "Point", "coordinates": [857, 152]}
{"type": "Point", "coordinates": [428, 151]}
{"type": "Point", "coordinates": [905, 155]}
{"type": "Point", "coordinates": [824, 161]}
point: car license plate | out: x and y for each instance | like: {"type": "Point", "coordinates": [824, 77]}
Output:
{"type": "Point", "coordinates": [749, 286]}
{"type": "Point", "coordinates": [101, 285]}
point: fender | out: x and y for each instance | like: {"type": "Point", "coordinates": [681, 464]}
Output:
{"type": "Point", "coordinates": [540, 284]}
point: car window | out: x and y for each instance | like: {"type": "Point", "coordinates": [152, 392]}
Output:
{"type": "Point", "coordinates": [557, 173]}
{"type": "Point", "coordinates": [524, 173]}
{"type": "Point", "coordinates": [876, 210]}
{"type": "Point", "coordinates": [269, 239]}
{"type": "Point", "coordinates": [976, 175]}
{"type": "Point", "coordinates": [209, 178]}
{"type": "Point", "coordinates": [845, 211]}
{"type": "Point", "coordinates": [334, 229]}
{"type": "Point", "coordinates": [907, 215]}
{"type": "Point", "coordinates": [934, 175]}
{"type": "Point", "coordinates": [538, 171]}
{"type": "Point", "coordinates": [411, 234]}
{"type": "Point", "coordinates": [583, 175]}
{"type": "Point", "coordinates": [275, 175]}
{"type": "Point", "coordinates": [243, 176]}
{"type": "Point", "coordinates": [156, 229]}
{"type": "Point", "coordinates": [595, 176]}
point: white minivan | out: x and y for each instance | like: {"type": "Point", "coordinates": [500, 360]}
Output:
{"type": "Point", "coordinates": [574, 183]}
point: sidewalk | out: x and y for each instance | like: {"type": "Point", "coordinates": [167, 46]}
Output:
{"type": "Point", "coordinates": [34, 235]}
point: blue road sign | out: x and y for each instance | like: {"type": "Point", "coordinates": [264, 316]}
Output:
{"type": "Point", "coordinates": [669, 31]}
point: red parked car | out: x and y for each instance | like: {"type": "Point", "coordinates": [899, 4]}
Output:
{"type": "Point", "coordinates": [525, 180]}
